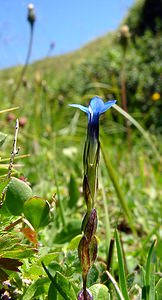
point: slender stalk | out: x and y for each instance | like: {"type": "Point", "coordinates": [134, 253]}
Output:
{"type": "Point", "coordinates": [14, 151]}
{"type": "Point", "coordinates": [60, 203]}
{"type": "Point", "coordinates": [124, 97]}
{"type": "Point", "coordinates": [124, 41]}
{"type": "Point", "coordinates": [13, 224]}
{"type": "Point", "coordinates": [26, 63]}
{"type": "Point", "coordinates": [123, 84]}
{"type": "Point", "coordinates": [84, 287]}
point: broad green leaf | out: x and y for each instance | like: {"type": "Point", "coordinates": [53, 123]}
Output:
{"type": "Point", "coordinates": [73, 245]}
{"type": "Point", "coordinates": [34, 272]}
{"type": "Point", "coordinates": [62, 284]}
{"type": "Point", "coordinates": [31, 291]}
{"type": "Point", "coordinates": [52, 292]}
{"type": "Point", "coordinates": [22, 252]}
{"type": "Point", "coordinates": [37, 212]}
{"type": "Point", "coordinates": [11, 247]}
{"type": "Point", "coordinates": [17, 193]}
{"type": "Point", "coordinates": [8, 242]}
{"type": "Point", "coordinates": [64, 287]}
{"type": "Point", "coordinates": [49, 259]}
{"type": "Point", "coordinates": [99, 292]}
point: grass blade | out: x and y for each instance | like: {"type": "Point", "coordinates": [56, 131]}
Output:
{"type": "Point", "coordinates": [107, 220]}
{"type": "Point", "coordinates": [140, 128]}
{"type": "Point", "coordinates": [113, 177]}
{"type": "Point", "coordinates": [48, 273]}
{"type": "Point", "coordinates": [8, 109]}
{"type": "Point", "coordinates": [119, 293]}
{"type": "Point", "coordinates": [149, 273]}
{"type": "Point", "coordinates": [122, 277]}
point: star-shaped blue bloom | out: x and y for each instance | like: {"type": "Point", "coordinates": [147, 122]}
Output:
{"type": "Point", "coordinates": [96, 107]}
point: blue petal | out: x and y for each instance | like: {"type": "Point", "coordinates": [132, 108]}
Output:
{"type": "Point", "coordinates": [81, 107]}
{"type": "Point", "coordinates": [107, 105]}
{"type": "Point", "coordinates": [96, 105]}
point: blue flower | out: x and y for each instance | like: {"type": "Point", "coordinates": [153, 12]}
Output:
{"type": "Point", "coordinates": [94, 110]}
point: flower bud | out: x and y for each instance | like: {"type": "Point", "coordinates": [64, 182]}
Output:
{"type": "Point", "coordinates": [31, 14]}
{"type": "Point", "coordinates": [87, 252]}
{"type": "Point", "coordinates": [83, 253]}
{"type": "Point", "coordinates": [93, 250]}
{"type": "Point", "coordinates": [91, 226]}
{"type": "Point", "coordinates": [124, 31]}
{"type": "Point", "coordinates": [124, 36]}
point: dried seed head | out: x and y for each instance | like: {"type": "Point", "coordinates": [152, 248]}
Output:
{"type": "Point", "coordinates": [124, 36]}
{"type": "Point", "coordinates": [31, 14]}
{"type": "Point", "coordinates": [30, 6]}
{"type": "Point", "coordinates": [124, 31]}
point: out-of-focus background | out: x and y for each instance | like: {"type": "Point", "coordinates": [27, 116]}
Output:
{"type": "Point", "coordinates": [62, 26]}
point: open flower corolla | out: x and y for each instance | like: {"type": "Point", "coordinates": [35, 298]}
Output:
{"type": "Point", "coordinates": [96, 107]}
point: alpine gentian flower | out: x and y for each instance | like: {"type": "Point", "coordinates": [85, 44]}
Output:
{"type": "Point", "coordinates": [94, 110]}
{"type": "Point", "coordinates": [87, 248]}
{"type": "Point", "coordinates": [92, 145]}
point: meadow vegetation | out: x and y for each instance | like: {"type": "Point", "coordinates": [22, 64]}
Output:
{"type": "Point", "coordinates": [42, 201]}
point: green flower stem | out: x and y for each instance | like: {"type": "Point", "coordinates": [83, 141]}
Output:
{"type": "Point", "coordinates": [85, 286]}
